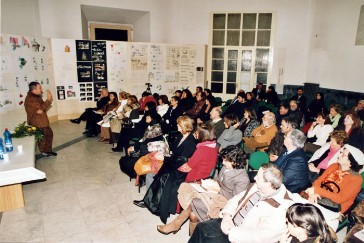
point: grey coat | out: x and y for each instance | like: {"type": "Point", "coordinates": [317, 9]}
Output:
{"type": "Point", "coordinates": [232, 182]}
{"type": "Point", "coordinates": [230, 136]}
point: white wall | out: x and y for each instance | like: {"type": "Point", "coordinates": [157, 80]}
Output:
{"type": "Point", "coordinates": [330, 59]}
{"type": "Point", "coordinates": [335, 61]}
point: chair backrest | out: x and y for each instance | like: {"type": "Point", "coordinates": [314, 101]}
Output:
{"type": "Point", "coordinates": [257, 159]}
{"type": "Point", "coordinates": [218, 101]}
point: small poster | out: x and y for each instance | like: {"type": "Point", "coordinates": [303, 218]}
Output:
{"type": "Point", "coordinates": [98, 86]}
{"type": "Point", "coordinates": [100, 73]}
{"type": "Point", "coordinates": [61, 93]}
{"type": "Point", "coordinates": [83, 48]}
{"type": "Point", "coordinates": [98, 51]}
{"type": "Point", "coordinates": [71, 92]}
{"type": "Point", "coordinates": [86, 91]}
{"type": "Point", "coordinates": [84, 71]}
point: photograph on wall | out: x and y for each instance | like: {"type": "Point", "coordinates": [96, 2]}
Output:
{"type": "Point", "coordinates": [84, 71]}
{"type": "Point", "coordinates": [98, 51]}
{"type": "Point", "coordinates": [100, 73]}
{"type": "Point", "coordinates": [71, 92]}
{"type": "Point", "coordinates": [83, 50]}
{"type": "Point", "coordinates": [61, 93]}
{"type": "Point", "coordinates": [86, 91]}
{"type": "Point", "coordinates": [98, 86]}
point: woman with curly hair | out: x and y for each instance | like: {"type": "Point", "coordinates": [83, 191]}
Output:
{"type": "Point", "coordinates": [203, 202]}
{"type": "Point", "coordinates": [306, 223]}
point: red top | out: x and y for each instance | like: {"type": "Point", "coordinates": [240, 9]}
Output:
{"type": "Point", "coordinates": [203, 161]}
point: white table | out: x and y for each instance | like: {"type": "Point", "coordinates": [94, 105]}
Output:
{"type": "Point", "coordinates": [18, 169]}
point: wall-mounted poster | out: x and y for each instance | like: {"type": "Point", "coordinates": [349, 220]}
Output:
{"type": "Point", "coordinates": [98, 51]}
{"type": "Point", "coordinates": [100, 73]}
{"type": "Point", "coordinates": [84, 72]}
{"type": "Point", "coordinates": [86, 91]}
{"type": "Point", "coordinates": [97, 89]}
{"type": "Point", "coordinates": [61, 93]}
{"type": "Point", "coordinates": [83, 50]}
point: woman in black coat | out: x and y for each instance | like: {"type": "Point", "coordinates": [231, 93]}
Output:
{"type": "Point", "coordinates": [317, 106]}
{"type": "Point", "coordinates": [161, 198]}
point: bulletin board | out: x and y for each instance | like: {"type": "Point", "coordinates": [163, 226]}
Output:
{"type": "Point", "coordinates": [23, 59]}
{"type": "Point", "coordinates": [125, 66]}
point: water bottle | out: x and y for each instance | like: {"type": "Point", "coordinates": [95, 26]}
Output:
{"type": "Point", "coordinates": [8, 141]}
{"type": "Point", "coordinates": [1, 149]}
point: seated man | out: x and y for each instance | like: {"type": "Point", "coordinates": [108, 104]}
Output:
{"type": "Point", "coordinates": [101, 102]}
{"type": "Point", "coordinates": [254, 215]}
{"type": "Point", "coordinates": [296, 113]}
{"type": "Point", "coordinates": [198, 106]}
{"type": "Point", "coordinates": [262, 135]}
{"type": "Point", "coordinates": [293, 163]}
{"type": "Point", "coordinates": [216, 121]}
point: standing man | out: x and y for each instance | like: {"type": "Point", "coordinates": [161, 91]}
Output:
{"type": "Point", "coordinates": [301, 99]}
{"type": "Point", "coordinates": [36, 109]}
{"type": "Point", "coordinates": [259, 92]}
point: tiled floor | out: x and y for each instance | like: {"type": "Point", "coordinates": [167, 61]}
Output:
{"type": "Point", "coordinates": [84, 199]}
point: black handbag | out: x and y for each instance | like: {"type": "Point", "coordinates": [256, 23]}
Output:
{"type": "Point", "coordinates": [327, 203]}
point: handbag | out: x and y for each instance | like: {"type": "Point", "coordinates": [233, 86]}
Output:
{"type": "Point", "coordinates": [327, 203]}
{"type": "Point", "coordinates": [146, 165]}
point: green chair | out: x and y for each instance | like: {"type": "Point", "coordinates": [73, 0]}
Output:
{"type": "Point", "coordinates": [257, 159]}
{"type": "Point", "coordinates": [218, 101]}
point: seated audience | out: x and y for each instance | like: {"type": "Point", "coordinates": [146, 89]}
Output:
{"type": "Point", "coordinates": [140, 148]}
{"type": "Point", "coordinates": [251, 101]}
{"type": "Point", "coordinates": [116, 123]}
{"type": "Point", "coordinates": [271, 96]}
{"type": "Point", "coordinates": [101, 102]}
{"type": "Point", "coordinates": [301, 100]}
{"type": "Point", "coordinates": [353, 129]}
{"type": "Point", "coordinates": [235, 99]}
{"type": "Point", "coordinates": [293, 163]}
{"type": "Point", "coordinates": [201, 206]}
{"type": "Point", "coordinates": [327, 154]}
{"type": "Point", "coordinates": [204, 114]}
{"type": "Point", "coordinates": [161, 197]}
{"type": "Point", "coordinates": [231, 135]}
{"type": "Point", "coordinates": [359, 110]}
{"type": "Point", "coordinates": [187, 101]}
{"type": "Point", "coordinates": [262, 135]}
{"type": "Point", "coordinates": [318, 133]}
{"type": "Point", "coordinates": [237, 107]}
{"type": "Point", "coordinates": [306, 223]}
{"type": "Point", "coordinates": [249, 122]}
{"type": "Point", "coordinates": [146, 97]}
{"type": "Point", "coordinates": [211, 98]}
{"type": "Point", "coordinates": [276, 147]}
{"type": "Point", "coordinates": [163, 105]}
{"type": "Point", "coordinates": [139, 129]}
{"type": "Point", "coordinates": [255, 215]}
{"type": "Point", "coordinates": [296, 113]}
{"type": "Point", "coordinates": [174, 111]}
{"type": "Point", "coordinates": [335, 115]}
{"type": "Point", "coordinates": [283, 111]}
{"type": "Point", "coordinates": [178, 93]}
{"type": "Point", "coordinates": [112, 106]}
{"type": "Point", "coordinates": [96, 116]}
{"type": "Point", "coordinates": [340, 183]}
{"type": "Point", "coordinates": [259, 92]}
{"type": "Point", "coordinates": [197, 107]}
{"type": "Point", "coordinates": [216, 121]}
{"type": "Point", "coordinates": [317, 106]}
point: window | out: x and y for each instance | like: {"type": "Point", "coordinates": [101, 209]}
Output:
{"type": "Point", "coordinates": [112, 32]}
{"type": "Point", "coordinates": [240, 51]}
